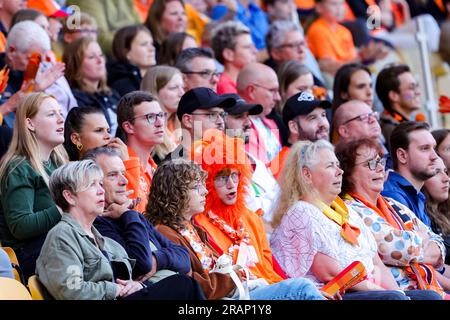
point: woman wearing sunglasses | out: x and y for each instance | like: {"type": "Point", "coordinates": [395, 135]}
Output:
{"type": "Point", "coordinates": [405, 244]}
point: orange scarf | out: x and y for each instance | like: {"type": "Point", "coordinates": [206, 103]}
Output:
{"type": "Point", "coordinates": [424, 274]}
{"type": "Point", "coordinates": [385, 210]}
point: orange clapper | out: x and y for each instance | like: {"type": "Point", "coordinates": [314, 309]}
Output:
{"type": "Point", "coordinates": [347, 278]}
{"type": "Point", "coordinates": [32, 69]}
{"type": "Point", "coordinates": [4, 77]}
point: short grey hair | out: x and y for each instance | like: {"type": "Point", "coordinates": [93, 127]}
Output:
{"type": "Point", "coordinates": [224, 37]}
{"type": "Point", "coordinates": [308, 156]}
{"type": "Point", "coordinates": [92, 154]}
{"type": "Point", "coordinates": [26, 33]}
{"type": "Point", "coordinates": [275, 37]}
{"type": "Point", "coordinates": [186, 56]}
{"type": "Point", "coordinates": [75, 176]}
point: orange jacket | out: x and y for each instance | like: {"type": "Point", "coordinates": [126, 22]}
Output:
{"type": "Point", "coordinates": [139, 179]}
{"type": "Point", "coordinates": [253, 224]}
{"type": "Point", "coordinates": [277, 164]}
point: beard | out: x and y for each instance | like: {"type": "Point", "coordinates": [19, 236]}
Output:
{"type": "Point", "coordinates": [313, 136]}
{"type": "Point", "coordinates": [423, 175]}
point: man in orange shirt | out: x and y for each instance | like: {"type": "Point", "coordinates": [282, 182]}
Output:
{"type": "Point", "coordinates": [332, 43]}
{"type": "Point", "coordinates": [140, 117]}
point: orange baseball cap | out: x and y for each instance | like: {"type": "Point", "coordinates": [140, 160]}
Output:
{"type": "Point", "coordinates": [48, 7]}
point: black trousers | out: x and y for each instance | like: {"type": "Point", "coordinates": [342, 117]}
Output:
{"type": "Point", "coordinates": [176, 287]}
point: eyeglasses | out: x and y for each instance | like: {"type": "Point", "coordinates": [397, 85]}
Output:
{"type": "Point", "coordinates": [152, 117]}
{"type": "Point", "coordinates": [220, 181]}
{"type": "Point", "coordinates": [206, 74]}
{"type": "Point", "coordinates": [293, 45]}
{"type": "Point", "coordinates": [273, 91]}
{"type": "Point", "coordinates": [198, 187]}
{"type": "Point", "coordinates": [372, 164]}
{"type": "Point", "coordinates": [213, 116]}
{"type": "Point", "coordinates": [365, 117]}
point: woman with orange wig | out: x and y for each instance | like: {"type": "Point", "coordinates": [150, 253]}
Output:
{"type": "Point", "coordinates": [230, 226]}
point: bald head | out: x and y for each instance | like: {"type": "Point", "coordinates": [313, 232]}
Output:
{"type": "Point", "coordinates": [253, 73]}
{"type": "Point", "coordinates": [355, 119]}
{"type": "Point", "coordinates": [258, 83]}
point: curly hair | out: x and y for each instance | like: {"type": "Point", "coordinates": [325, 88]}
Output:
{"type": "Point", "coordinates": [169, 192]}
{"type": "Point", "coordinates": [347, 153]}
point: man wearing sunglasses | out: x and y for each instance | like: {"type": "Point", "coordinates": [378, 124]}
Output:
{"type": "Point", "coordinates": [199, 109]}
{"type": "Point", "coordinates": [141, 119]}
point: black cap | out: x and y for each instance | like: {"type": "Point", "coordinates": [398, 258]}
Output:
{"type": "Point", "coordinates": [202, 98]}
{"type": "Point", "coordinates": [241, 106]}
{"type": "Point", "coordinates": [300, 104]}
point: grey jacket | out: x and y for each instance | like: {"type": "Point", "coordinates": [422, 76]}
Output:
{"type": "Point", "coordinates": [72, 267]}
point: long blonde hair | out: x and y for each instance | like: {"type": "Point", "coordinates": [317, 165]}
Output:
{"type": "Point", "coordinates": [292, 182]}
{"type": "Point", "coordinates": [24, 145]}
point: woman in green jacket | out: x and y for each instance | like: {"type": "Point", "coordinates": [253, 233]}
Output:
{"type": "Point", "coordinates": [78, 263]}
{"type": "Point", "coordinates": [27, 211]}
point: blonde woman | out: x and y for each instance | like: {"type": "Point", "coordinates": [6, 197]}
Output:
{"type": "Point", "coordinates": [27, 211]}
{"type": "Point", "coordinates": [166, 84]}
{"type": "Point", "coordinates": [316, 235]}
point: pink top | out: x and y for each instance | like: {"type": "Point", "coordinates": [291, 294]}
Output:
{"type": "Point", "coordinates": [226, 85]}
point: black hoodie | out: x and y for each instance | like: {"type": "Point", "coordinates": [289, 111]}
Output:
{"type": "Point", "coordinates": [124, 77]}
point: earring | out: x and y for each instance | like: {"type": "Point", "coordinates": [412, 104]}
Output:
{"type": "Point", "coordinates": [79, 147]}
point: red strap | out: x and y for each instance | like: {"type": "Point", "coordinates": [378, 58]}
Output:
{"type": "Point", "coordinates": [277, 268]}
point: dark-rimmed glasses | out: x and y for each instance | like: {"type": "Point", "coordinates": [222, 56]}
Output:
{"type": "Point", "coordinates": [206, 74]}
{"type": "Point", "coordinates": [372, 164]}
{"type": "Point", "coordinates": [152, 117]}
{"type": "Point", "coordinates": [365, 117]}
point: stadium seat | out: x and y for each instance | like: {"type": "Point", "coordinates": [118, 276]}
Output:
{"type": "Point", "coordinates": [37, 289]}
{"type": "Point", "coordinates": [11, 289]}
{"type": "Point", "coordinates": [18, 274]}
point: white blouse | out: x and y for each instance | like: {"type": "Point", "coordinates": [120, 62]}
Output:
{"type": "Point", "coordinates": [305, 230]}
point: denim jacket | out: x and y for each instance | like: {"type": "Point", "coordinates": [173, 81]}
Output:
{"type": "Point", "coordinates": [72, 267]}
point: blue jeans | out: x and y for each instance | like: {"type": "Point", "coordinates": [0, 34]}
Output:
{"type": "Point", "coordinates": [423, 295]}
{"type": "Point", "coordinates": [289, 289]}
{"type": "Point", "coordinates": [6, 269]}
{"type": "Point", "coordinates": [375, 295]}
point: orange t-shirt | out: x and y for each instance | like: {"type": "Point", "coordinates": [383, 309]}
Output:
{"type": "Point", "coordinates": [331, 41]}
{"type": "Point", "coordinates": [305, 4]}
{"type": "Point", "coordinates": [142, 8]}
{"type": "Point", "coordinates": [2, 42]}
{"type": "Point", "coordinates": [139, 178]}
{"type": "Point", "coordinates": [277, 164]}
{"type": "Point", "coordinates": [254, 226]}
